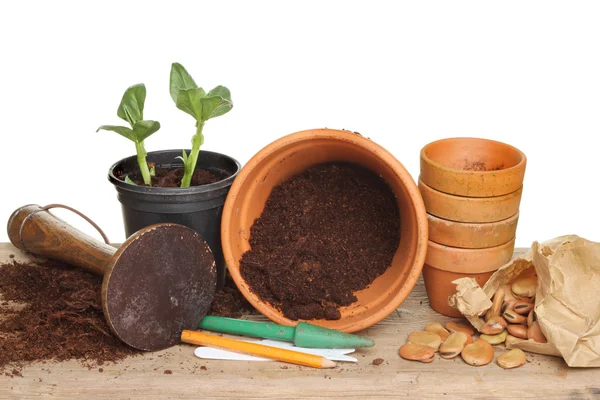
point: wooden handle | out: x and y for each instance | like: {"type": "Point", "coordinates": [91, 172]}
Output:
{"type": "Point", "coordinates": [33, 229]}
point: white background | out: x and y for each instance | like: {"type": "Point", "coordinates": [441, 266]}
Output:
{"type": "Point", "coordinates": [402, 73]}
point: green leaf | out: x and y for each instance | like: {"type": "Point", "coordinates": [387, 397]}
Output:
{"type": "Point", "coordinates": [128, 180]}
{"type": "Point", "coordinates": [183, 158]}
{"type": "Point", "coordinates": [153, 170]}
{"type": "Point", "coordinates": [220, 91]}
{"type": "Point", "coordinates": [190, 101]}
{"type": "Point", "coordinates": [180, 80]}
{"type": "Point", "coordinates": [145, 128]}
{"type": "Point", "coordinates": [121, 130]}
{"type": "Point", "coordinates": [223, 107]}
{"type": "Point", "coordinates": [200, 106]}
{"type": "Point", "coordinates": [131, 108]}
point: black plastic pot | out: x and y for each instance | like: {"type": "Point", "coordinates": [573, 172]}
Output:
{"type": "Point", "coordinates": [197, 207]}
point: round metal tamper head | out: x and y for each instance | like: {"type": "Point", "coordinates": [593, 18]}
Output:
{"type": "Point", "coordinates": [162, 281]}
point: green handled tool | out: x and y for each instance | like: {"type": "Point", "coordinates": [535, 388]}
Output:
{"type": "Point", "coordinates": [302, 335]}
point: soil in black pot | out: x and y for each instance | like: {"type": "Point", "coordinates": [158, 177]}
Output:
{"type": "Point", "coordinates": [322, 235]}
{"type": "Point", "coordinates": [171, 177]}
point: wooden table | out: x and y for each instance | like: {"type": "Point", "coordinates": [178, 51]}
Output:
{"type": "Point", "coordinates": [144, 377]}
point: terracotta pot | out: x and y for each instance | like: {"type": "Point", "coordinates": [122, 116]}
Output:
{"type": "Point", "coordinates": [448, 166]}
{"type": "Point", "coordinates": [439, 287]}
{"type": "Point", "coordinates": [470, 209]}
{"type": "Point", "coordinates": [295, 153]}
{"type": "Point", "coordinates": [445, 264]}
{"type": "Point", "coordinates": [469, 260]}
{"type": "Point", "coordinates": [471, 235]}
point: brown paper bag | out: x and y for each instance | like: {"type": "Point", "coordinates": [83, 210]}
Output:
{"type": "Point", "coordinates": [567, 301]}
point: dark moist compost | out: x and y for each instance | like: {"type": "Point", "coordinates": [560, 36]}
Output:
{"type": "Point", "coordinates": [229, 301]}
{"type": "Point", "coordinates": [53, 312]}
{"type": "Point", "coordinates": [171, 177]}
{"type": "Point", "coordinates": [322, 235]}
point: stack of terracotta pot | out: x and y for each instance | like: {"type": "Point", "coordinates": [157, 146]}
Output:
{"type": "Point", "coordinates": [472, 191]}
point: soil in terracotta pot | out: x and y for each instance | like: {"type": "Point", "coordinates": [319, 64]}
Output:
{"type": "Point", "coordinates": [322, 235]}
{"type": "Point", "coordinates": [53, 312]}
{"type": "Point", "coordinates": [171, 177]}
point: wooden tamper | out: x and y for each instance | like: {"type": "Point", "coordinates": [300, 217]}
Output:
{"type": "Point", "coordinates": [160, 282]}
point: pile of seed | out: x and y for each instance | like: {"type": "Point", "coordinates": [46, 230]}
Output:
{"type": "Point", "coordinates": [510, 320]}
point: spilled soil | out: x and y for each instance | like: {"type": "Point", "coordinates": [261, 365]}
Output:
{"type": "Point", "coordinates": [229, 302]}
{"type": "Point", "coordinates": [53, 312]}
{"type": "Point", "coordinates": [322, 235]}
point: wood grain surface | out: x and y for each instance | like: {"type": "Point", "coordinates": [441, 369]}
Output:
{"type": "Point", "coordinates": [33, 229]}
{"type": "Point", "coordinates": [145, 377]}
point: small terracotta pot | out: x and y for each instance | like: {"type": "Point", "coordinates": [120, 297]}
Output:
{"type": "Point", "coordinates": [439, 287]}
{"type": "Point", "coordinates": [471, 235]}
{"type": "Point", "coordinates": [445, 264]}
{"type": "Point", "coordinates": [451, 166]}
{"type": "Point", "coordinates": [294, 154]}
{"type": "Point", "coordinates": [469, 260]}
{"type": "Point", "coordinates": [470, 209]}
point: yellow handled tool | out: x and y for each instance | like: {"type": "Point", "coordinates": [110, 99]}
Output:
{"type": "Point", "coordinates": [254, 349]}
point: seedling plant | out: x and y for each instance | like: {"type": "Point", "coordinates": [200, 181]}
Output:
{"type": "Point", "coordinates": [131, 110]}
{"type": "Point", "coordinates": [188, 97]}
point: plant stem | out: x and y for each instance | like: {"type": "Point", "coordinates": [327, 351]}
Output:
{"type": "Point", "coordinates": [141, 158]}
{"type": "Point", "coordinates": [190, 167]}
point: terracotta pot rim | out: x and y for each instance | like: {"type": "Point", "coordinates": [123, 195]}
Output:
{"type": "Point", "coordinates": [466, 273]}
{"type": "Point", "coordinates": [460, 250]}
{"type": "Point", "coordinates": [473, 224]}
{"type": "Point", "coordinates": [469, 198]}
{"type": "Point", "coordinates": [454, 170]}
{"type": "Point", "coordinates": [356, 139]}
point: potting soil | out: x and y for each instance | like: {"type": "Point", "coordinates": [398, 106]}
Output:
{"type": "Point", "coordinates": [322, 235]}
{"type": "Point", "coordinates": [229, 302]}
{"type": "Point", "coordinates": [171, 177]}
{"type": "Point", "coordinates": [53, 312]}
